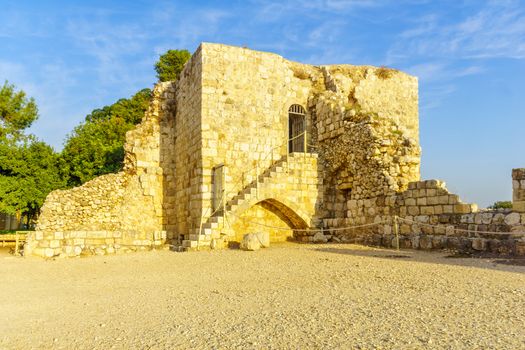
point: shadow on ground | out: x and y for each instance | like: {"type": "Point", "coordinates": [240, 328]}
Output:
{"type": "Point", "coordinates": [431, 257]}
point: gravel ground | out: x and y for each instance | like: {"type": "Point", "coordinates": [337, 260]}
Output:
{"type": "Point", "coordinates": [289, 296]}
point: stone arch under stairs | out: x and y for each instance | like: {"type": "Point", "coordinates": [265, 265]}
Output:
{"type": "Point", "coordinates": [279, 218]}
{"type": "Point", "coordinates": [291, 189]}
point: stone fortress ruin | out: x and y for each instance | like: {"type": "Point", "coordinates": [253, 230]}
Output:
{"type": "Point", "coordinates": [247, 141]}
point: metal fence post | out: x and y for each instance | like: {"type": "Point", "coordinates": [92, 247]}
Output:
{"type": "Point", "coordinates": [257, 180]}
{"type": "Point", "coordinates": [396, 231]}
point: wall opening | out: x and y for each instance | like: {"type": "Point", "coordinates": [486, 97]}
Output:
{"type": "Point", "coordinates": [296, 129]}
{"type": "Point", "coordinates": [218, 188]}
{"type": "Point", "coordinates": [269, 215]}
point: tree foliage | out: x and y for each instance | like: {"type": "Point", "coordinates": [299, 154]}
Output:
{"type": "Point", "coordinates": [501, 205]}
{"type": "Point", "coordinates": [29, 170]}
{"type": "Point", "coordinates": [171, 64]}
{"type": "Point", "coordinates": [96, 146]}
{"type": "Point", "coordinates": [17, 112]}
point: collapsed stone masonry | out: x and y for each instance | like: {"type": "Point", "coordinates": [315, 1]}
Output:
{"type": "Point", "coordinates": [246, 141]}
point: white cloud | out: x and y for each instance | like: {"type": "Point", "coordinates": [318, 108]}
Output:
{"type": "Point", "coordinates": [496, 30]}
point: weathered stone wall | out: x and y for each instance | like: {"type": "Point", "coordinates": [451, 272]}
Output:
{"type": "Point", "coordinates": [367, 131]}
{"type": "Point", "coordinates": [285, 197]}
{"type": "Point", "coordinates": [148, 202]}
{"type": "Point", "coordinates": [518, 190]}
{"type": "Point", "coordinates": [112, 212]}
{"type": "Point", "coordinates": [230, 108]}
{"type": "Point", "coordinates": [104, 215]}
{"type": "Point", "coordinates": [188, 148]}
{"type": "Point", "coordinates": [429, 217]}
{"type": "Point", "coordinates": [246, 96]}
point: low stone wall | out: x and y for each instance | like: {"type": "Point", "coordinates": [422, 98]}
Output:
{"type": "Point", "coordinates": [114, 212]}
{"type": "Point", "coordinates": [105, 215]}
{"type": "Point", "coordinates": [427, 216]}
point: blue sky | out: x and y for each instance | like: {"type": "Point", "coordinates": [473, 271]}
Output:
{"type": "Point", "coordinates": [74, 56]}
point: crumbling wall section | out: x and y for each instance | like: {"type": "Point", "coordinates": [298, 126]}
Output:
{"type": "Point", "coordinates": [428, 216]}
{"type": "Point", "coordinates": [366, 120]}
{"type": "Point", "coordinates": [114, 212]}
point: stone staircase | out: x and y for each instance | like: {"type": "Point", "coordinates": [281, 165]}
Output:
{"type": "Point", "coordinates": [217, 226]}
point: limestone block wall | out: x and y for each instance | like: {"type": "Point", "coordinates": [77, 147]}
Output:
{"type": "Point", "coordinates": [430, 217]}
{"type": "Point", "coordinates": [286, 200]}
{"type": "Point", "coordinates": [367, 131]}
{"type": "Point", "coordinates": [116, 212]}
{"type": "Point", "coordinates": [245, 100]}
{"type": "Point", "coordinates": [518, 190]}
{"type": "Point", "coordinates": [362, 121]}
{"type": "Point", "coordinates": [183, 188]}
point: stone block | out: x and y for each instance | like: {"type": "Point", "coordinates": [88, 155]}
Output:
{"type": "Point", "coordinates": [410, 202]}
{"type": "Point", "coordinates": [425, 242]}
{"type": "Point", "coordinates": [438, 242]}
{"type": "Point", "coordinates": [479, 244]}
{"type": "Point", "coordinates": [493, 245]}
{"type": "Point", "coordinates": [448, 209]}
{"type": "Point", "coordinates": [512, 219]}
{"type": "Point", "coordinates": [453, 199]}
{"type": "Point", "coordinates": [415, 242]}
{"type": "Point", "coordinates": [319, 237]}
{"type": "Point", "coordinates": [462, 208]}
{"type": "Point", "coordinates": [432, 200]}
{"type": "Point", "coordinates": [453, 243]}
{"type": "Point", "coordinates": [427, 210]}
{"type": "Point", "coordinates": [520, 248]}
{"type": "Point", "coordinates": [413, 210]}
{"type": "Point", "coordinates": [518, 206]}
{"type": "Point", "coordinates": [250, 242]}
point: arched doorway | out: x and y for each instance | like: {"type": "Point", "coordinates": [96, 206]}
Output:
{"type": "Point", "coordinates": [296, 129]}
{"type": "Point", "coordinates": [269, 215]}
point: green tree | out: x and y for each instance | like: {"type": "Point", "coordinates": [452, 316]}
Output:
{"type": "Point", "coordinates": [171, 64]}
{"type": "Point", "coordinates": [96, 146]}
{"type": "Point", "coordinates": [28, 168]}
{"type": "Point", "coordinates": [501, 205]}
{"type": "Point", "coordinates": [17, 112]}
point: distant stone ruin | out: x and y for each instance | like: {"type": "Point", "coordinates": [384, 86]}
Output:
{"type": "Point", "coordinates": [247, 141]}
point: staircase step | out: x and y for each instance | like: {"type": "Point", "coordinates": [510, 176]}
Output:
{"type": "Point", "coordinates": [189, 243]}
{"type": "Point", "coordinates": [211, 225]}
{"type": "Point", "coordinates": [217, 219]}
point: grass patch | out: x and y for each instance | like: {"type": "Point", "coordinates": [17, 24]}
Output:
{"type": "Point", "coordinates": [12, 232]}
{"type": "Point", "coordinates": [384, 72]}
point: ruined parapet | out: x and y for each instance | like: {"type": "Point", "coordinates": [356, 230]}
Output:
{"type": "Point", "coordinates": [367, 123]}
{"type": "Point", "coordinates": [428, 216]}
{"type": "Point", "coordinates": [518, 190]}
{"type": "Point", "coordinates": [112, 212]}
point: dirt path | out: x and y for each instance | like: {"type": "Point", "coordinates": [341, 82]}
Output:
{"type": "Point", "coordinates": [286, 297]}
